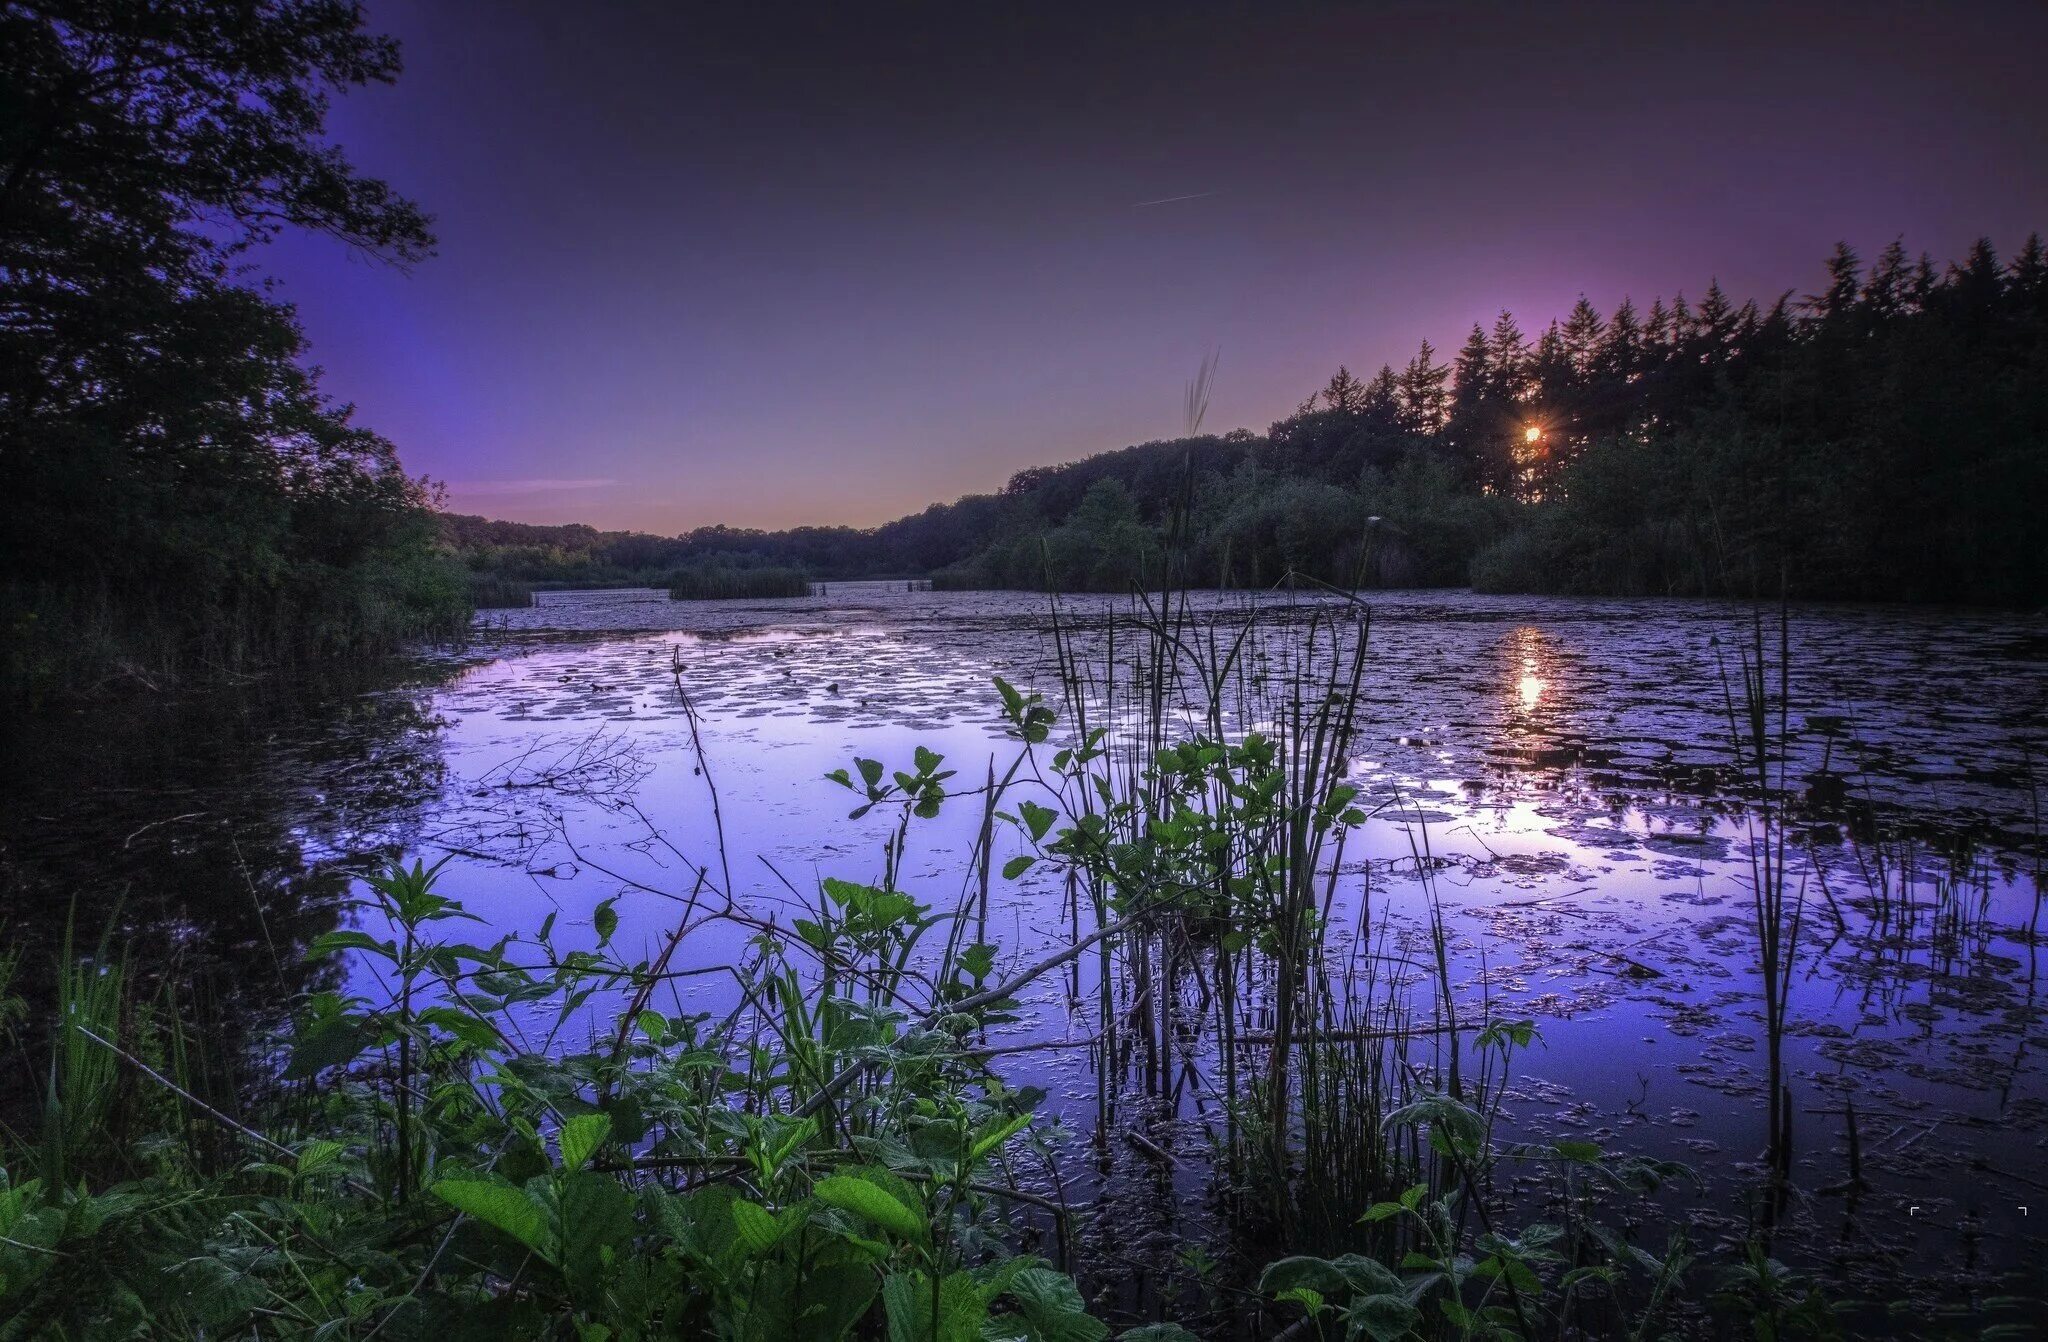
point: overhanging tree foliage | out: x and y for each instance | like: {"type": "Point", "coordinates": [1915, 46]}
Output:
{"type": "Point", "coordinates": [174, 487]}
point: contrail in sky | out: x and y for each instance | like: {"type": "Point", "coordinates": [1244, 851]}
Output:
{"type": "Point", "coordinates": [1169, 200]}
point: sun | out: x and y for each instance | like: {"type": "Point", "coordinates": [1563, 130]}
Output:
{"type": "Point", "coordinates": [1532, 433]}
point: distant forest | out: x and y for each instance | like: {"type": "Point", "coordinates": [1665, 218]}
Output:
{"type": "Point", "coordinates": [1884, 438]}
{"type": "Point", "coordinates": [180, 498]}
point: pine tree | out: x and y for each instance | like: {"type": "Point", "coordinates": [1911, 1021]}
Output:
{"type": "Point", "coordinates": [1382, 399]}
{"type": "Point", "coordinates": [1582, 337]}
{"type": "Point", "coordinates": [1344, 394]}
{"type": "Point", "coordinates": [1923, 284]}
{"type": "Point", "coordinates": [1620, 352]}
{"type": "Point", "coordinates": [1716, 323]}
{"type": "Point", "coordinates": [2029, 286]}
{"type": "Point", "coordinates": [1474, 370]}
{"type": "Point", "coordinates": [1657, 333]}
{"type": "Point", "coordinates": [1887, 290]}
{"type": "Point", "coordinates": [1553, 375]}
{"type": "Point", "coordinates": [1425, 400]}
{"type": "Point", "coordinates": [1508, 359]}
{"type": "Point", "coordinates": [1679, 333]}
{"type": "Point", "coordinates": [1838, 301]}
{"type": "Point", "coordinates": [1975, 286]}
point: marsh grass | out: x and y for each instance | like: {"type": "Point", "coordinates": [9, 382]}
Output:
{"type": "Point", "coordinates": [490, 591]}
{"type": "Point", "coordinates": [533, 1139]}
{"type": "Point", "coordinates": [724, 584]}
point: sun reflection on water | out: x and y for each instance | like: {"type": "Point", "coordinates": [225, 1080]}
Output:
{"type": "Point", "coordinates": [1529, 658]}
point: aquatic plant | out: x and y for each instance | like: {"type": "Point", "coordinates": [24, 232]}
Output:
{"type": "Point", "coordinates": [539, 1137]}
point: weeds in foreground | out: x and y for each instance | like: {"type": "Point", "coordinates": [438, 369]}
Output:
{"type": "Point", "coordinates": [533, 1139]}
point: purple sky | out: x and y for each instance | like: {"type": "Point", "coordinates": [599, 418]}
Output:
{"type": "Point", "coordinates": [830, 267]}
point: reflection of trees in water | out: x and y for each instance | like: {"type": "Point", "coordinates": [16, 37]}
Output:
{"type": "Point", "coordinates": [214, 837]}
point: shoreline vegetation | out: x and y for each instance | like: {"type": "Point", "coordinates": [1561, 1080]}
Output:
{"type": "Point", "coordinates": [540, 1138]}
{"type": "Point", "coordinates": [1885, 438]}
{"type": "Point", "coordinates": [180, 499]}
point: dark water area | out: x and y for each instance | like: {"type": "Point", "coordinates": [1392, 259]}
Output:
{"type": "Point", "coordinates": [1565, 765]}
{"type": "Point", "coordinates": [209, 837]}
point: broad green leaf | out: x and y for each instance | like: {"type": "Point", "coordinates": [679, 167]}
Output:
{"type": "Point", "coordinates": [581, 1136]}
{"type": "Point", "coordinates": [977, 960]}
{"type": "Point", "coordinates": [596, 1231]}
{"type": "Point", "coordinates": [500, 1206]}
{"type": "Point", "coordinates": [328, 943]}
{"type": "Point", "coordinates": [1383, 1318]}
{"type": "Point", "coordinates": [1017, 866]}
{"type": "Point", "coordinates": [999, 1134]}
{"type": "Point", "coordinates": [324, 1043]}
{"type": "Point", "coordinates": [1037, 819]}
{"type": "Point", "coordinates": [757, 1228]}
{"type": "Point", "coordinates": [1053, 1307]}
{"type": "Point", "coordinates": [907, 1301]}
{"type": "Point", "coordinates": [319, 1155]}
{"type": "Point", "coordinates": [864, 1197]}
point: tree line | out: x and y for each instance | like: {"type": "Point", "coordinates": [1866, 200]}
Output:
{"type": "Point", "coordinates": [1879, 438]}
{"type": "Point", "coordinates": [177, 492]}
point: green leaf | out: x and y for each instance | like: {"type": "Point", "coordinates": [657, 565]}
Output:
{"type": "Point", "coordinates": [499, 1206]}
{"type": "Point", "coordinates": [606, 920]}
{"type": "Point", "coordinates": [328, 943]}
{"type": "Point", "coordinates": [1012, 700]}
{"type": "Point", "coordinates": [1037, 819]}
{"type": "Point", "coordinates": [907, 1301]}
{"type": "Point", "coordinates": [1157, 1332]}
{"type": "Point", "coordinates": [596, 1231]}
{"type": "Point", "coordinates": [464, 1025]}
{"type": "Point", "coordinates": [996, 1136]}
{"type": "Point", "coordinates": [757, 1228]}
{"type": "Point", "coordinates": [318, 1155]}
{"type": "Point", "coordinates": [1383, 1318]}
{"type": "Point", "coordinates": [1317, 1275]}
{"type": "Point", "coordinates": [1308, 1297]}
{"type": "Point", "coordinates": [861, 1194]}
{"type": "Point", "coordinates": [581, 1136]}
{"type": "Point", "coordinates": [324, 1043]}
{"type": "Point", "coordinates": [1017, 866]}
{"type": "Point", "coordinates": [1053, 1307]}
{"type": "Point", "coordinates": [1587, 1153]}
{"type": "Point", "coordinates": [977, 960]}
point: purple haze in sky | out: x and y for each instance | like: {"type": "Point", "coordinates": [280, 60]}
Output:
{"type": "Point", "coordinates": [702, 266]}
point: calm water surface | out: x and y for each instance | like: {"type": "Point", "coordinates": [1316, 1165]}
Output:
{"type": "Point", "coordinates": [1565, 763]}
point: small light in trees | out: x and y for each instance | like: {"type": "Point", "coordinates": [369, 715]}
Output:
{"type": "Point", "coordinates": [1532, 434]}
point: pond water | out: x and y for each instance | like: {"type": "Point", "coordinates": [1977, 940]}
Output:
{"type": "Point", "coordinates": [1566, 765]}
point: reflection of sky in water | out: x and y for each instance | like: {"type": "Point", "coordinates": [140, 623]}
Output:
{"type": "Point", "coordinates": [1561, 760]}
